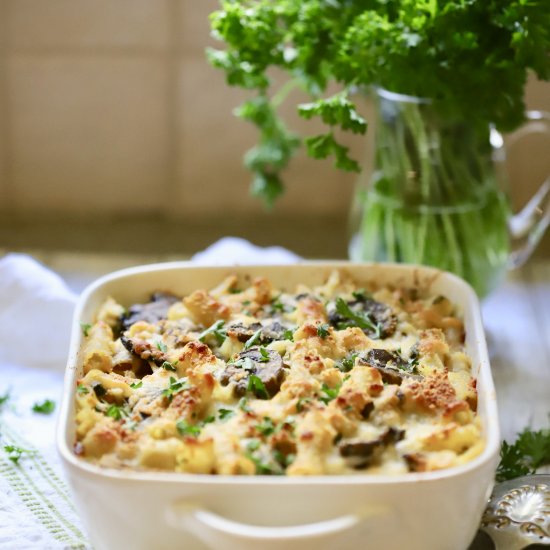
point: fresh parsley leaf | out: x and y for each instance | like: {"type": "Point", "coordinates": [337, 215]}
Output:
{"type": "Point", "coordinates": [117, 412]}
{"type": "Point", "coordinates": [217, 330]}
{"type": "Point", "coordinates": [85, 328]}
{"type": "Point", "coordinates": [288, 335]}
{"type": "Point", "coordinates": [4, 399]}
{"type": "Point", "coordinates": [302, 402]}
{"type": "Point", "coordinates": [429, 49]}
{"type": "Point", "coordinates": [15, 453]}
{"type": "Point", "coordinates": [284, 460]}
{"type": "Point", "coordinates": [253, 339]}
{"type": "Point", "coordinates": [225, 413]}
{"type": "Point", "coordinates": [243, 405]}
{"type": "Point", "coordinates": [266, 427]}
{"type": "Point", "coordinates": [175, 387]}
{"type": "Point", "coordinates": [322, 330]}
{"type": "Point", "coordinates": [347, 363]}
{"type": "Point", "coordinates": [264, 355]}
{"type": "Point", "coordinates": [161, 346]}
{"type": "Point", "coordinates": [530, 451]}
{"type": "Point", "coordinates": [257, 387]}
{"type": "Point", "coordinates": [277, 305]}
{"type": "Point", "coordinates": [329, 393]}
{"type": "Point", "coordinates": [187, 429]}
{"type": "Point", "coordinates": [168, 366]}
{"type": "Point", "coordinates": [245, 363]}
{"type": "Point", "coordinates": [136, 385]}
{"type": "Point", "coordinates": [46, 407]}
{"type": "Point", "coordinates": [361, 294]}
{"type": "Point", "coordinates": [253, 445]}
{"type": "Point", "coordinates": [357, 319]}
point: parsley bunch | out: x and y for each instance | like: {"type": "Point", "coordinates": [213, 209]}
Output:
{"type": "Point", "coordinates": [470, 57]}
{"type": "Point", "coordinates": [530, 451]}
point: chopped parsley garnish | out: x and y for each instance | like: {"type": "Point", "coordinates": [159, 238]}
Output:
{"type": "Point", "coordinates": [193, 430]}
{"type": "Point", "coordinates": [243, 405]}
{"type": "Point", "coordinates": [361, 294]}
{"type": "Point", "coordinates": [329, 393]}
{"type": "Point", "coordinates": [81, 389]}
{"type": "Point", "coordinates": [169, 366]}
{"type": "Point", "coordinates": [322, 331]}
{"type": "Point", "coordinates": [4, 399]}
{"type": "Point", "coordinates": [266, 426]}
{"type": "Point", "coordinates": [235, 290]}
{"type": "Point", "coordinates": [357, 319]}
{"type": "Point", "coordinates": [175, 386]}
{"type": "Point", "coordinates": [85, 328]}
{"type": "Point", "coordinates": [257, 387]}
{"type": "Point", "coordinates": [253, 339]}
{"type": "Point", "coordinates": [187, 429]}
{"type": "Point", "coordinates": [300, 405]}
{"type": "Point", "coordinates": [262, 467]}
{"type": "Point", "coordinates": [225, 413]}
{"type": "Point", "coordinates": [244, 362]}
{"type": "Point", "coordinates": [161, 346]}
{"type": "Point", "coordinates": [217, 330]}
{"type": "Point", "coordinates": [288, 335]}
{"type": "Point", "coordinates": [283, 460]}
{"type": "Point", "coordinates": [14, 453]}
{"type": "Point", "coordinates": [46, 407]}
{"type": "Point", "coordinates": [136, 385]}
{"type": "Point", "coordinates": [347, 363]}
{"type": "Point", "coordinates": [530, 451]}
{"type": "Point", "coordinates": [116, 412]}
{"type": "Point", "coordinates": [277, 306]}
{"type": "Point", "coordinates": [253, 445]}
{"type": "Point", "coordinates": [264, 355]}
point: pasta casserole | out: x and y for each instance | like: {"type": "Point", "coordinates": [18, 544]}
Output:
{"type": "Point", "coordinates": [246, 378]}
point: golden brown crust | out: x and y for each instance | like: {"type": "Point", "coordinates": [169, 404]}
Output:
{"type": "Point", "coordinates": [249, 379]}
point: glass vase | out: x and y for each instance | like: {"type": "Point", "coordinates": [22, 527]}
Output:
{"type": "Point", "coordinates": [436, 195]}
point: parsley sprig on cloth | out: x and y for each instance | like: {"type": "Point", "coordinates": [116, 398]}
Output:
{"type": "Point", "coordinates": [530, 451]}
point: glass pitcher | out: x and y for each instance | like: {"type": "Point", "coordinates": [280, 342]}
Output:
{"type": "Point", "coordinates": [436, 195]}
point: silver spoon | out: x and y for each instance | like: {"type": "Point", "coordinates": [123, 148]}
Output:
{"type": "Point", "coordinates": [518, 513]}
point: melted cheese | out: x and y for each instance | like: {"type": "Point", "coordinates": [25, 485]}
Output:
{"type": "Point", "coordinates": [258, 380]}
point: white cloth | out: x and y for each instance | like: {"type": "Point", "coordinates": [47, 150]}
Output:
{"type": "Point", "coordinates": [36, 510]}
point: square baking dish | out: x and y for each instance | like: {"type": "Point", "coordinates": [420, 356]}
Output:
{"type": "Point", "coordinates": [143, 510]}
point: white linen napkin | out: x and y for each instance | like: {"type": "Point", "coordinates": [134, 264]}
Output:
{"type": "Point", "coordinates": [36, 510]}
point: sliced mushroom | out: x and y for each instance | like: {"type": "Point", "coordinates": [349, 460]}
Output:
{"type": "Point", "coordinates": [144, 350]}
{"type": "Point", "coordinates": [268, 334]}
{"type": "Point", "coordinates": [362, 454]}
{"type": "Point", "coordinates": [391, 366]}
{"type": "Point", "coordinates": [380, 314]}
{"type": "Point", "coordinates": [151, 312]}
{"type": "Point", "coordinates": [268, 369]}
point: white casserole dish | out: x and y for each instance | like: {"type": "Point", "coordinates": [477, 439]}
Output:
{"type": "Point", "coordinates": [143, 510]}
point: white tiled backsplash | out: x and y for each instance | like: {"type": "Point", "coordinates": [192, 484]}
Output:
{"type": "Point", "coordinates": [110, 106]}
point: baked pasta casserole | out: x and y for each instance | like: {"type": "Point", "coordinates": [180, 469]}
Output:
{"type": "Point", "coordinates": [246, 378]}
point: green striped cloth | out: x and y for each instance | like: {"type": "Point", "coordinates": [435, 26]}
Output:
{"type": "Point", "coordinates": [36, 507]}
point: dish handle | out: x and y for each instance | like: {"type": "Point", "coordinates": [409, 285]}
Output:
{"type": "Point", "coordinates": [215, 530]}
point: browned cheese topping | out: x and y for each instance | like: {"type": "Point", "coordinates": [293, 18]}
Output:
{"type": "Point", "coordinates": [245, 378]}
